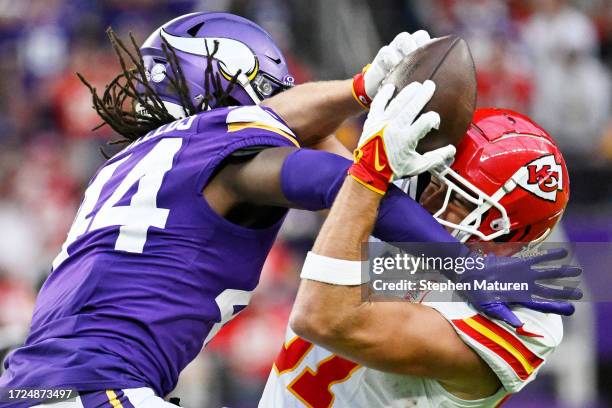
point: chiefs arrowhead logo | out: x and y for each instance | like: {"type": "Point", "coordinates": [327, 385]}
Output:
{"type": "Point", "coordinates": [542, 177]}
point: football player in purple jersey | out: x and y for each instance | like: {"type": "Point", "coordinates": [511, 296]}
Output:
{"type": "Point", "coordinates": [169, 241]}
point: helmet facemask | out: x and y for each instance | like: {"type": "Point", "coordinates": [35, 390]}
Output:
{"type": "Point", "coordinates": [481, 203]}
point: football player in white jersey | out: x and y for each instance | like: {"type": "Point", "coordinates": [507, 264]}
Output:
{"type": "Point", "coordinates": [342, 352]}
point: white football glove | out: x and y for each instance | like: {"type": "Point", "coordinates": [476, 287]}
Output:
{"type": "Point", "coordinates": [390, 136]}
{"type": "Point", "coordinates": [367, 83]}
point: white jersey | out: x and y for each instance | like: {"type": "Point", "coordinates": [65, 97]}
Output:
{"type": "Point", "coordinates": [306, 375]}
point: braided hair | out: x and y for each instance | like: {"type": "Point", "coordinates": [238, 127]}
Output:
{"type": "Point", "coordinates": [117, 107]}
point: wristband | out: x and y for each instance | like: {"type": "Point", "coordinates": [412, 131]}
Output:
{"type": "Point", "coordinates": [359, 92]}
{"type": "Point", "coordinates": [333, 271]}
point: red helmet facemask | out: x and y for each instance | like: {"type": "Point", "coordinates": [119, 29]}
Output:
{"type": "Point", "coordinates": [513, 174]}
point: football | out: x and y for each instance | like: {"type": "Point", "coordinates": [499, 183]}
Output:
{"type": "Point", "coordinates": [448, 62]}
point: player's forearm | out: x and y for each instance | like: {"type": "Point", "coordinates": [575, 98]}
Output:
{"type": "Point", "coordinates": [392, 337]}
{"type": "Point", "coordinates": [388, 336]}
{"type": "Point", "coordinates": [314, 110]}
{"type": "Point", "coordinates": [348, 225]}
{"type": "Point", "coordinates": [349, 222]}
{"type": "Point", "coordinates": [311, 180]}
{"type": "Point", "coordinates": [336, 316]}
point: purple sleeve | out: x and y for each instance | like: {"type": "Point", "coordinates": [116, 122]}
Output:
{"type": "Point", "coordinates": [311, 180]}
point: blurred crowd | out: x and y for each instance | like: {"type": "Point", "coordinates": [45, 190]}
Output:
{"type": "Point", "coordinates": [547, 58]}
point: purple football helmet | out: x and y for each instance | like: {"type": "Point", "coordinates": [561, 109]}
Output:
{"type": "Point", "coordinates": [242, 46]}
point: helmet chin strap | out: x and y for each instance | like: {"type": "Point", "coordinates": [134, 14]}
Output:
{"type": "Point", "coordinates": [178, 112]}
{"type": "Point", "coordinates": [245, 83]}
{"type": "Point", "coordinates": [173, 109]}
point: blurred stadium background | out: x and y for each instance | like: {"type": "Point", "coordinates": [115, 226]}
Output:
{"type": "Point", "coordinates": [548, 58]}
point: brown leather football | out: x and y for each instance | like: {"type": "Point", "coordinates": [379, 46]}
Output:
{"type": "Point", "coordinates": [448, 62]}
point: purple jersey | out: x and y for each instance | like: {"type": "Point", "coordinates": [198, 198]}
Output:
{"type": "Point", "coordinates": [149, 273]}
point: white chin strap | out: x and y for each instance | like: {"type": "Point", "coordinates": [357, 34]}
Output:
{"type": "Point", "coordinates": [483, 203]}
{"type": "Point", "coordinates": [173, 109]}
{"type": "Point", "coordinates": [178, 112]}
{"type": "Point", "coordinates": [243, 80]}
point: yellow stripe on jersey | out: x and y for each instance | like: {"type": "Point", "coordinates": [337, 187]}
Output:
{"type": "Point", "coordinates": [501, 342]}
{"type": "Point", "coordinates": [235, 127]}
{"type": "Point", "coordinates": [112, 399]}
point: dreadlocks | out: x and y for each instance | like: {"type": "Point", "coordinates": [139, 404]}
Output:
{"type": "Point", "coordinates": [131, 89]}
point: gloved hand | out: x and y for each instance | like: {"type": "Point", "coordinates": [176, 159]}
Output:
{"type": "Point", "coordinates": [367, 83]}
{"type": "Point", "coordinates": [390, 135]}
{"type": "Point", "coordinates": [496, 303]}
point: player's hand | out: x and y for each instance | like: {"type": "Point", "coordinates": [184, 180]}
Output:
{"type": "Point", "coordinates": [367, 83]}
{"type": "Point", "coordinates": [539, 297]}
{"type": "Point", "coordinates": [391, 133]}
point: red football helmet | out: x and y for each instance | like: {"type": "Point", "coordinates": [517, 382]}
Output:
{"type": "Point", "coordinates": [513, 173]}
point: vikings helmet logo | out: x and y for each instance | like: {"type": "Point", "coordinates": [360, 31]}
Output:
{"type": "Point", "coordinates": [233, 55]}
{"type": "Point", "coordinates": [542, 177]}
